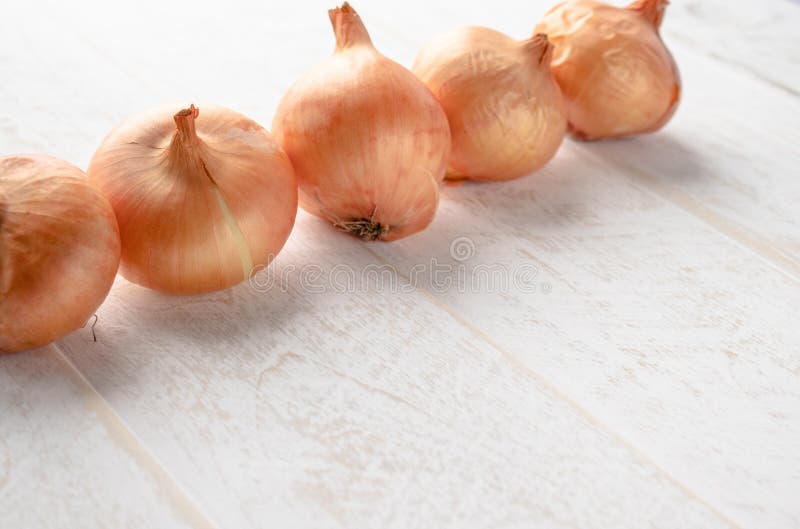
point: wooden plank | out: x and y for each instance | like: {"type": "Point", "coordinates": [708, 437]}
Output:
{"type": "Point", "coordinates": [363, 408]}
{"type": "Point", "coordinates": [678, 339]}
{"type": "Point", "coordinates": [64, 456]}
{"type": "Point", "coordinates": [757, 39]}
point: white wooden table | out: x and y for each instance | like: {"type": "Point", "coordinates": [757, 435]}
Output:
{"type": "Point", "coordinates": [649, 377]}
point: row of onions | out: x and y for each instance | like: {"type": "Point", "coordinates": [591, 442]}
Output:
{"type": "Point", "coordinates": [191, 202]}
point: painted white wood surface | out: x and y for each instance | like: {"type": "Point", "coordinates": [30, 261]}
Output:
{"type": "Point", "coordinates": [66, 462]}
{"type": "Point", "coordinates": [675, 337]}
{"type": "Point", "coordinates": [757, 39]}
{"type": "Point", "coordinates": [360, 409]}
{"type": "Point", "coordinates": [651, 380]}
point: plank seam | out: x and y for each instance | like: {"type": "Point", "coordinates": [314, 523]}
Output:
{"type": "Point", "coordinates": [743, 238]}
{"type": "Point", "coordinates": [555, 391]}
{"type": "Point", "coordinates": [181, 501]}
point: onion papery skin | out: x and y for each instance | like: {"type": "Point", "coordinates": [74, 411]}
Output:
{"type": "Point", "coordinates": [617, 76]}
{"type": "Point", "coordinates": [368, 140]}
{"type": "Point", "coordinates": [201, 197]}
{"type": "Point", "coordinates": [59, 250]}
{"type": "Point", "coordinates": [506, 113]}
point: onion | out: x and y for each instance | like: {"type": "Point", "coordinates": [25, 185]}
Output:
{"type": "Point", "coordinates": [368, 140]}
{"type": "Point", "coordinates": [200, 199]}
{"type": "Point", "coordinates": [59, 250]}
{"type": "Point", "coordinates": [506, 112]}
{"type": "Point", "coordinates": [616, 74]}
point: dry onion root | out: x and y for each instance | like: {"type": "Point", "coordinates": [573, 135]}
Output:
{"type": "Point", "coordinates": [59, 250]}
{"type": "Point", "coordinates": [201, 198]}
{"type": "Point", "coordinates": [506, 112]}
{"type": "Point", "coordinates": [616, 74]}
{"type": "Point", "coordinates": [368, 140]}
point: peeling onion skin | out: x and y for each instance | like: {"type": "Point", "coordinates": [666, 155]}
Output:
{"type": "Point", "coordinates": [506, 113]}
{"type": "Point", "coordinates": [368, 140]}
{"type": "Point", "coordinates": [201, 197]}
{"type": "Point", "coordinates": [617, 75]}
{"type": "Point", "coordinates": [59, 250]}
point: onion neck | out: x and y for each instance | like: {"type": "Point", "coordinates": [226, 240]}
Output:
{"type": "Point", "coordinates": [651, 10]}
{"type": "Point", "coordinates": [184, 120]}
{"type": "Point", "coordinates": [349, 29]}
{"type": "Point", "coordinates": [539, 49]}
{"type": "Point", "coordinates": [183, 150]}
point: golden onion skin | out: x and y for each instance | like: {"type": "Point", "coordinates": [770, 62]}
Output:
{"type": "Point", "coordinates": [368, 140]}
{"type": "Point", "coordinates": [59, 250]}
{"type": "Point", "coordinates": [506, 112]}
{"type": "Point", "coordinates": [196, 214]}
{"type": "Point", "coordinates": [616, 74]}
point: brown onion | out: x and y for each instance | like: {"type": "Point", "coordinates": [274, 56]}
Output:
{"type": "Point", "coordinates": [59, 250]}
{"type": "Point", "coordinates": [506, 112]}
{"type": "Point", "coordinates": [201, 199]}
{"type": "Point", "coordinates": [616, 74]}
{"type": "Point", "coordinates": [368, 140]}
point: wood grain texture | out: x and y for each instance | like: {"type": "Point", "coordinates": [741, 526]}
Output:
{"type": "Point", "coordinates": [756, 39]}
{"type": "Point", "coordinates": [650, 379]}
{"type": "Point", "coordinates": [360, 408]}
{"type": "Point", "coordinates": [677, 338]}
{"type": "Point", "coordinates": [60, 460]}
